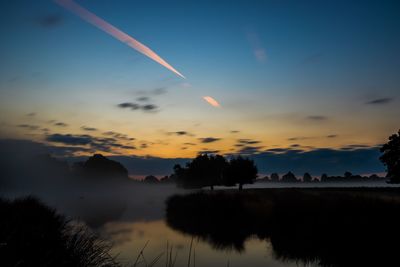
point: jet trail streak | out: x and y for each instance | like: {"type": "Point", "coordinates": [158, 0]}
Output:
{"type": "Point", "coordinates": [113, 31]}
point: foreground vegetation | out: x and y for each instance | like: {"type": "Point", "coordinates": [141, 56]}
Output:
{"type": "Point", "coordinates": [32, 234]}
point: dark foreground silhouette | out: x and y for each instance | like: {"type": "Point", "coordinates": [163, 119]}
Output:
{"type": "Point", "coordinates": [355, 227]}
{"type": "Point", "coordinates": [32, 234]}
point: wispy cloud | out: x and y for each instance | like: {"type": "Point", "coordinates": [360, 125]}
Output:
{"type": "Point", "coordinates": [317, 118]}
{"type": "Point", "coordinates": [380, 101]}
{"type": "Point", "coordinates": [256, 45]}
{"type": "Point", "coordinates": [88, 129]}
{"type": "Point", "coordinates": [50, 20]}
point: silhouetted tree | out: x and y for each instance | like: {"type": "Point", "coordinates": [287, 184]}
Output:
{"type": "Point", "coordinates": [240, 171]}
{"type": "Point", "coordinates": [391, 157]}
{"type": "Point", "coordinates": [204, 170]}
{"type": "Point", "coordinates": [289, 178]}
{"type": "Point", "coordinates": [307, 177]}
{"type": "Point", "coordinates": [348, 175]}
{"type": "Point", "coordinates": [324, 177]}
{"type": "Point", "coordinates": [99, 166]}
{"type": "Point", "coordinates": [151, 179]}
{"type": "Point", "coordinates": [274, 177]}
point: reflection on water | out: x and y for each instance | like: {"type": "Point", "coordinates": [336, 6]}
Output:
{"type": "Point", "coordinates": [129, 238]}
{"type": "Point", "coordinates": [330, 227]}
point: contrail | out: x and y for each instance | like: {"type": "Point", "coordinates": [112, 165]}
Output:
{"type": "Point", "coordinates": [211, 101]}
{"type": "Point", "coordinates": [115, 32]}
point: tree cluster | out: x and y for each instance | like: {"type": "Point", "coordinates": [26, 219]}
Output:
{"type": "Point", "coordinates": [209, 170]}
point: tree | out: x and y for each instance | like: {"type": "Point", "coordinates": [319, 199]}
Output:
{"type": "Point", "coordinates": [204, 170]}
{"type": "Point", "coordinates": [324, 177]}
{"type": "Point", "coordinates": [274, 177]}
{"type": "Point", "coordinates": [307, 177]}
{"type": "Point", "coordinates": [391, 157]}
{"type": "Point", "coordinates": [289, 178]}
{"type": "Point", "coordinates": [240, 171]}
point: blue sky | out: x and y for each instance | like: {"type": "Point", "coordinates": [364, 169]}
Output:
{"type": "Point", "coordinates": [285, 73]}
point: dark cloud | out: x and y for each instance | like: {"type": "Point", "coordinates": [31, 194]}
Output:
{"type": "Point", "coordinates": [189, 144]}
{"type": "Point", "coordinates": [209, 139]}
{"type": "Point", "coordinates": [235, 131]}
{"type": "Point", "coordinates": [332, 136]}
{"type": "Point", "coordinates": [135, 106]}
{"type": "Point", "coordinates": [28, 126]}
{"type": "Point", "coordinates": [180, 133]}
{"type": "Point", "coordinates": [295, 145]}
{"type": "Point", "coordinates": [119, 136]}
{"type": "Point", "coordinates": [298, 138]}
{"type": "Point", "coordinates": [60, 124]}
{"type": "Point", "coordinates": [317, 118]}
{"type": "Point", "coordinates": [106, 144]}
{"type": "Point", "coordinates": [50, 20]}
{"type": "Point", "coordinates": [149, 107]}
{"type": "Point", "coordinates": [69, 139]}
{"type": "Point", "coordinates": [208, 151]}
{"type": "Point", "coordinates": [248, 141]}
{"type": "Point", "coordinates": [88, 129]}
{"type": "Point", "coordinates": [380, 101]}
{"type": "Point", "coordinates": [130, 105]}
{"type": "Point", "coordinates": [32, 114]}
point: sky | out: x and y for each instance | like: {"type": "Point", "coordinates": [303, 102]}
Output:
{"type": "Point", "coordinates": [291, 77]}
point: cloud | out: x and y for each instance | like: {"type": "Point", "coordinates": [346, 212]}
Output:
{"type": "Point", "coordinates": [60, 124]}
{"type": "Point", "coordinates": [32, 114]}
{"type": "Point", "coordinates": [119, 136]}
{"type": "Point", "coordinates": [250, 150]}
{"type": "Point", "coordinates": [332, 136]}
{"type": "Point", "coordinates": [234, 131]}
{"type": "Point", "coordinates": [317, 161]}
{"type": "Point", "coordinates": [317, 118]}
{"type": "Point", "coordinates": [180, 133]}
{"type": "Point", "coordinates": [299, 138]}
{"type": "Point", "coordinates": [50, 20]}
{"type": "Point", "coordinates": [209, 139]}
{"type": "Point", "coordinates": [258, 50]}
{"type": "Point", "coordinates": [69, 139]}
{"type": "Point", "coordinates": [208, 151]}
{"type": "Point", "coordinates": [132, 106]}
{"type": "Point", "coordinates": [149, 107]}
{"type": "Point", "coordinates": [106, 144]}
{"type": "Point", "coordinates": [248, 141]}
{"type": "Point", "coordinates": [380, 101]}
{"type": "Point", "coordinates": [189, 144]}
{"type": "Point", "coordinates": [88, 129]}
{"type": "Point", "coordinates": [143, 99]}
{"type": "Point", "coordinates": [28, 126]}
{"type": "Point", "coordinates": [135, 106]}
